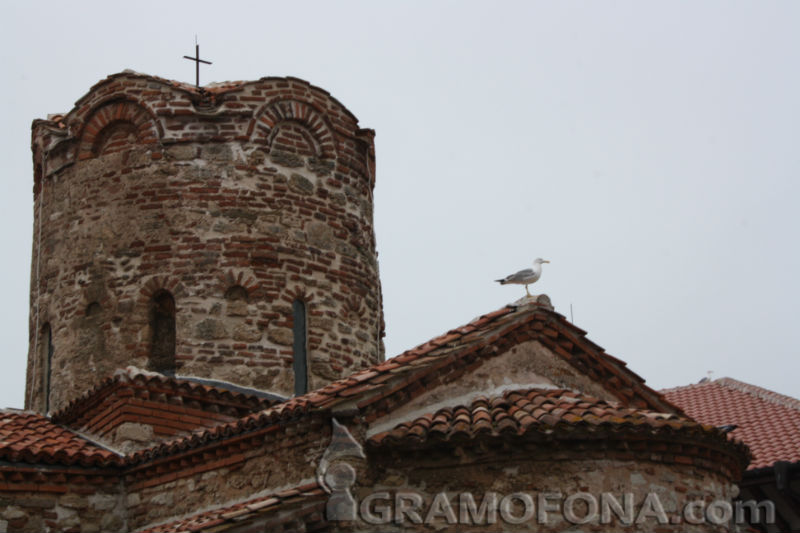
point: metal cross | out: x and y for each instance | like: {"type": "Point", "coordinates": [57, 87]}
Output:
{"type": "Point", "coordinates": [197, 61]}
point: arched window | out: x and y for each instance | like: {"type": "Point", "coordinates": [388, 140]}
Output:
{"type": "Point", "coordinates": [162, 326]}
{"type": "Point", "coordinates": [46, 358]}
{"type": "Point", "coordinates": [300, 360]}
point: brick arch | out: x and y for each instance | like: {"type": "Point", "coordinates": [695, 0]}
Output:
{"type": "Point", "coordinates": [269, 120]}
{"type": "Point", "coordinates": [298, 292]}
{"type": "Point", "coordinates": [239, 278]}
{"type": "Point", "coordinates": [159, 283]}
{"type": "Point", "coordinates": [111, 125]}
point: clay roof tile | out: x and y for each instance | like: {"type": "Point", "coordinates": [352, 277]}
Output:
{"type": "Point", "coordinates": [768, 422]}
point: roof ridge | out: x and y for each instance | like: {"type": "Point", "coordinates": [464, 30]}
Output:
{"type": "Point", "coordinates": [90, 440]}
{"type": "Point", "coordinates": [131, 374]}
{"type": "Point", "coordinates": [759, 392]}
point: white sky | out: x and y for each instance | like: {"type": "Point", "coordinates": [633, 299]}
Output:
{"type": "Point", "coordinates": [649, 150]}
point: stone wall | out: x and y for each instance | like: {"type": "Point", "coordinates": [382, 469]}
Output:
{"type": "Point", "coordinates": [657, 490]}
{"type": "Point", "coordinates": [235, 201]}
{"type": "Point", "coordinates": [63, 508]}
{"type": "Point", "coordinates": [284, 458]}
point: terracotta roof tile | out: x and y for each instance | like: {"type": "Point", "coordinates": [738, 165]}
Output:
{"type": "Point", "coordinates": [27, 437]}
{"type": "Point", "coordinates": [372, 384]}
{"type": "Point", "coordinates": [239, 512]}
{"type": "Point", "coordinates": [221, 395]}
{"type": "Point", "coordinates": [768, 422]}
{"type": "Point", "coordinates": [527, 411]}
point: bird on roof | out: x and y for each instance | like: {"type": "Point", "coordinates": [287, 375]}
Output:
{"type": "Point", "coordinates": [525, 277]}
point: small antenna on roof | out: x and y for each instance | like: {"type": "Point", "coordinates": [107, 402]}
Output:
{"type": "Point", "coordinates": [571, 318]}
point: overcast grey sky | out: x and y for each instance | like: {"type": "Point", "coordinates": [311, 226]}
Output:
{"type": "Point", "coordinates": [648, 150]}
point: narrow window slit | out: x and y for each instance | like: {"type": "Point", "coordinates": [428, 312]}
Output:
{"type": "Point", "coordinates": [162, 325]}
{"type": "Point", "coordinates": [46, 348]}
{"type": "Point", "coordinates": [299, 348]}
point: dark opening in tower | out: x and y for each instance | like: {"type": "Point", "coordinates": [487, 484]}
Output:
{"type": "Point", "coordinates": [46, 357]}
{"type": "Point", "coordinates": [299, 348]}
{"type": "Point", "coordinates": [162, 326]}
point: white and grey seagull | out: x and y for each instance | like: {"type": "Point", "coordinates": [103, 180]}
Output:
{"type": "Point", "coordinates": [525, 277]}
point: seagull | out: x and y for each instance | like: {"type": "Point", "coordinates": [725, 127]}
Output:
{"type": "Point", "coordinates": [525, 277]}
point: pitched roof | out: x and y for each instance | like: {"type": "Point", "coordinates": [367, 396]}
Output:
{"type": "Point", "coordinates": [27, 437]}
{"type": "Point", "coordinates": [200, 402]}
{"type": "Point", "coordinates": [395, 381]}
{"type": "Point", "coordinates": [531, 411]}
{"type": "Point", "coordinates": [768, 422]}
{"type": "Point", "coordinates": [239, 512]}
{"type": "Point", "coordinates": [493, 332]}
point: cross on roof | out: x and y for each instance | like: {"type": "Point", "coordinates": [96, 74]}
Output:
{"type": "Point", "coordinates": [197, 61]}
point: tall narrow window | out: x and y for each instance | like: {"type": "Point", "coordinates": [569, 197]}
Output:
{"type": "Point", "coordinates": [162, 325]}
{"type": "Point", "coordinates": [46, 357]}
{"type": "Point", "coordinates": [300, 363]}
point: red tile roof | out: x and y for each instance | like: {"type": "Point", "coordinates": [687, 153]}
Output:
{"type": "Point", "coordinates": [530, 411]}
{"type": "Point", "coordinates": [27, 437]}
{"type": "Point", "coordinates": [239, 512]}
{"type": "Point", "coordinates": [488, 334]}
{"type": "Point", "coordinates": [768, 422]}
{"type": "Point", "coordinates": [170, 404]}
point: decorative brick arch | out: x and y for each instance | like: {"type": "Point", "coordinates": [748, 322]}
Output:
{"type": "Point", "coordinates": [314, 128]}
{"type": "Point", "coordinates": [159, 283]}
{"type": "Point", "coordinates": [111, 125]}
{"type": "Point", "coordinates": [238, 278]}
{"type": "Point", "coordinates": [298, 292]}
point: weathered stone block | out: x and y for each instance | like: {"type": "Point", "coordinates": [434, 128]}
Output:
{"type": "Point", "coordinates": [182, 152]}
{"type": "Point", "coordinates": [301, 184]}
{"type": "Point", "coordinates": [210, 329]}
{"type": "Point", "coordinates": [246, 333]}
{"type": "Point", "coordinates": [321, 167]}
{"type": "Point", "coordinates": [217, 152]}
{"type": "Point", "coordinates": [13, 513]}
{"type": "Point", "coordinates": [36, 503]}
{"type": "Point", "coordinates": [103, 502]}
{"type": "Point", "coordinates": [135, 432]}
{"type": "Point", "coordinates": [237, 308]}
{"type": "Point", "coordinates": [73, 501]}
{"type": "Point", "coordinates": [320, 235]}
{"type": "Point", "coordinates": [282, 336]}
{"type": "Point", "coordinates": [285, 159]}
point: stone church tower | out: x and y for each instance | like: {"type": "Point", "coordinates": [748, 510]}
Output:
{"type": "Point", "coordinates": [224, 233]}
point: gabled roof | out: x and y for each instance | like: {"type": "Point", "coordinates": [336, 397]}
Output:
{"type": "Point", "coordinates": [171, 405]}
{"type": "Point", "coordinates": [768, 422]}
{"type": "Point", "coordinates": [488, 335]}
{"type": "Point", "coordinates": [379, 389]}
{"type": "Point", "coordinates": [27, 437]}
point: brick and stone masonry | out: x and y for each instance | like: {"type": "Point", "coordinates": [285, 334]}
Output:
{"type": "Point", "coordinates": [189, 230]}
